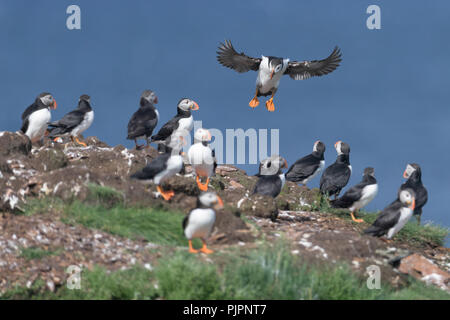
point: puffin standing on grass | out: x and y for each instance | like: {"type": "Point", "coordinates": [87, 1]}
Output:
{"type": "Point", "coordinates": [270, 69]}
{"type": "Point", "coordinates": [74, 123]}
{"type": "Point", "coordinates": [414, 175]}
{"type": "Point", "coordinates": [36, 117]}
{"type": "Point", "coordinates": [180, 125]}
{"type": "Point", "coordinates": [394, 217]}
{"type": "Point", "coordinates": [200, 221]}
{"type": "Point", "coordinates": [144, 120]}
{"type": "Point", "coordinates": [202, 158]}
{"type": "Point", "coordinates": [336, 176]}
{"type": "Point", "coordinates": [306, 168]}
{"type": "Point", "coordinates": [161, 168]}
{"type": "Point", "coordinates": [359, 195]}
{"type": "Point", "coordinates": [271, 179]}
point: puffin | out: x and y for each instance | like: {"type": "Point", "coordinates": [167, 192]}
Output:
{"type": "Point", "coordinates": [270, 69]}
{"type": "Point", "coordinates": [413, 173]}
{"type": "Point", "coordinates": [394, 217]}
{"type": "Point", "coordinates": [336, 176]}
{"type": "Point", "coordinates": [306, 168]}
{"type": "Point", "coordinates": [36, 117]}
{"type": "Point", "coordinates": [163, 167]}
{"type": "Point", "coordinates": [200, 221]}
{"type": "Point", "coordinates": [180, 125]}
{"type": "Point", "coordinates": [202, 158]}
{"type": "Point", "coordinates": [359, 195]}
{"type": "Point", "coordinates": [271, 180]}
{"type": "Point", "coordinates": [144, 120]}
{"type": "Point", "coordinates": [74, 123]}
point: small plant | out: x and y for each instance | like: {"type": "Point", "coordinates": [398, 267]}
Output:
{"type": "Point", "coordinates": [106, 196]}
{"type": "Point", "coordinates": [34, 253]}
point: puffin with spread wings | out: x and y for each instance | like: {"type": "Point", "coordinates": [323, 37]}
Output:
{"type": "Point", "coordinates": [270, 69]}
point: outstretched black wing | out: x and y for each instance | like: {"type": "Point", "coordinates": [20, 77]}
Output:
{"type": "Point", "coordinates": [240, 62]}
{"type": "Point", "coordinates": [307, 69]}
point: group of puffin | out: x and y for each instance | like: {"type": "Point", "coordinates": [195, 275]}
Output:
{"type": "Point", "coordinates": [171, 139]}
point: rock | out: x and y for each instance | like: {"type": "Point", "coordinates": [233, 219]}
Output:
{"type": "Point", "coordinates": [14, 143]}
{"type": "Point", "coordinates": [236, 185]}
{"type": "Point", "coordinates": [259, 206]}
{"type": "Point", "coordinates": [51, 159]}
{"type": "Point", "coordinates": [423, 269]}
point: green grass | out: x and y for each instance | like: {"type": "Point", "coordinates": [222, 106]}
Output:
{"type": "Point", "coordinates": [105, 196]}
{"type": "Point", "coordinates": [35, 253]}
{"type": "Point", "coordinates": [264, 273]}
{"type": "Point", "coordinates": [157, 226]}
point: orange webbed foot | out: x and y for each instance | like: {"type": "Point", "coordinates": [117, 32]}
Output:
{"type": "Point", "coordinates": [167, 195]}
{"type": "Point", "coordinates": [80, 142]}
{"type": "Point", "coordinates": [201, 186]}
{"type": "Point", "coordinates": [254, 102]}
{"type": "Point", "coordinates": [191, 248]}
{"type": "Point", "coordinates": [270, 105]}
{"type": "Point", "coordinates": [354, 219]}
{"type": "Point", "coordinates": [204, 249]}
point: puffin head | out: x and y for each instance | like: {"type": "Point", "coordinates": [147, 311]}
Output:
{"type": "Point", "coordinates": [85, 97]}
{"type": "Point", "coordinates": [202, 135]}
{"type": "Point", "coordinates": [319, 147]}
{"type": "Point", "coordinates": [408, 198]}
{"type": "Point", "coordinates": [210, 200]}
{"type": "Point", "coordinates": [410, 169]}
{"type": "Point", "coordinates": [369, 171]}
{"type": "Point", "coordinates": [342, 148]}
{"type": "Point", "coordinates": [186, 104]}
{"type": "Point", "coordinates": [149, 96]}
{"type": "Point", "coordinates": [272, 165]}
{"type": "Point", "coordinates": [48, 100]}
{"type": "Point", "coordinates": [275, 65]}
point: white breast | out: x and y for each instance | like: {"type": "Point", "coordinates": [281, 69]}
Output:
{"type": "Point", "coordinates": [37, 124]}
{"type": "Point", "coordinates": [405, 215]}
{"type": "Point", "coordinates": [283, 180]}
{"type": "Point", "coordinates": [263, 80]}
{"type": "Point", "coordinates": [186, 124]}
{"type": "Point", "coordinates": [201, 159]}
{"type": "Point", "coordinates": [174, 165]}
{"type": "Point", "coordinates": [85, 124]}
{"type": "Point", "coordinates": [200, 223]}
{"type": "Point", "coordinates": [368, 194]}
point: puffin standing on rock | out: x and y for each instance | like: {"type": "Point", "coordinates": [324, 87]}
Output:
{"type": "Point", "coordinates": [180, 125]}
{"type": "Point", "coordinates": [144, 120]}
{"type": "Point", "coordinates": [74, 123]}
{"type": "Point", "coordinates": [202, 158]}
{"type": "Point", "coordinates": [200, 221]}
{"type": "Point", "coordinates": [359, 195]}
{"type": "Point", "coordinates": [161, 168]}
{"type": "Point", "coordinates": [36, 117]}
{"type": "Point", "coordinates": [271, 180]}
{"type": "Point", "coordinates": [414, 175]}
{"type": "Point", "coordinates": [394, 217]}
{"type": "Point", "coordinates": [336, 176]}
{"type": "Point", "coordinates": [270, 69]}
{"type": "Point", "coordinates": [306, 168]}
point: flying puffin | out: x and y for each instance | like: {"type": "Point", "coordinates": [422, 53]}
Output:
{"type": "Point", "coordinates": [75, 122]}
{"type": "Point", "coordinates": [270, 69]}
{"type": "Point", "coordinates": [181, 124]}
{"type": "Point", "coordinates": [36, 117]}
{"type": "Point", "coordinates": [202, 158]}
{"type": "Point", "coordinates": [200, 221]}
{"type": "Point", "coordinates": [359, 195]}
{"type": "Point", "coordinates": [394, 217]}
{"type": "Point", "coordinates": [336, 176]}
{"type": "Point", "coordinates": [306, 168]}
{"type": "Point", "coordinates": [144, 120]}
{"type": "Point", "coordinates": [270, 178]}
{"type": "Point", "coordinates": [161, 168]}
{"type": "Point", "coordinates": [414, 175]}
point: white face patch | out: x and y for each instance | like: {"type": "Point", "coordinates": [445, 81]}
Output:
{"type": "Point", "coordinates": [208, 199]}
{"type": "Point", "coordinates": [315, 146]}
{"type": "Point", "coordinates": [338, 148]}
{"type": "Point", "coordinates": [409, 171]}
{"type": "Point", "coordinates": [47, 100]}
{"type": "Point", "coordinates": [405, 197]}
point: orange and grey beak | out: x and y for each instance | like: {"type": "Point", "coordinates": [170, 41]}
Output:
{"type": "Point", "coordinates": [271, 74]}
{"type": "Point", "coordinates": [219, 204]}
{"type": "Point", "coordinates": [285, 164]}
{"type": "Point", "coordinates": [195, 106]}
{"type": "Point", "coordinates": [336, 144]}
{"type": "Point", "coordinates": [405, 175]}
{"type": "Point", "coordinates": [413, 204]}
{"type": "Point", "coordinates": [208, 136]}
{"type": "Point", "coordinates": [54, 104]}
